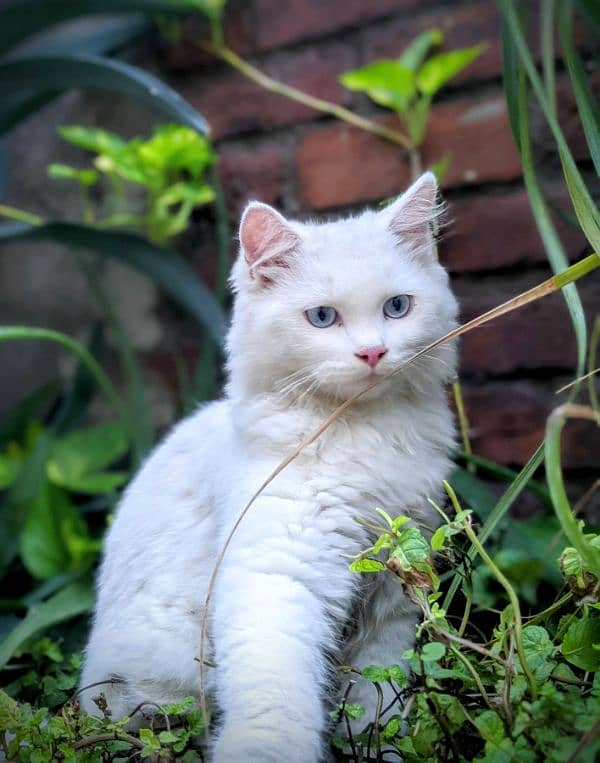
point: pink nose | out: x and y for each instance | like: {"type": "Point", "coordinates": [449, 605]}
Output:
{"type": "Point", "coordinates": [371, 355]}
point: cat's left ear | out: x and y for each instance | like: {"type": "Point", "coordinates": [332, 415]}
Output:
{"type": "Point", "coordinates": [410, 217]}
{"type": "Point", "coordinates": [268, 241]}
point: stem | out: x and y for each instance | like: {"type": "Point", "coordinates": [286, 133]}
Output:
{"type": "Point", "coordinates": [416, 165]}
{"type": "Point", "coordinates": [594, 340]}
{"type": "Point", "coordinates": [463, 424]}
{"type": "Point", "coordinates": [110, 736]}
{"type": "Point", "coordinates": [21, 215]}
{"type": "Point", "coordinates": [547, 46]}
{"type": "Point", "coordinates": [221, 51]}
{"type": "Point", "coordinates": [501, 578]}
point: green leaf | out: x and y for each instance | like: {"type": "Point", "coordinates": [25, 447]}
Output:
{"type": "Point", "coordinates": [54, 538]}
{"type": "Point", "coordinates": [86, 177]}
{"type": "Point", "coordinates": [92, 139]}
{"type": "Point", "coordinates": [75, 457]}
{"type": "Point", "coordinates": [9, 469]}
{"type": "Point", "coordinates": [538, 649]}
{"type": "Point", "coordinates": [432, 651]}
{"type": "Point", "coordinates": [414, 55]}
{"type": "Point", "coordinates": [375, 673]}
{"type": "Point", "coordinates": [71, 601]}
{"type": "Point", "coordinates": [580, 643]}
{"type": "Point", "coordinates": [43, 73]}
{"type": "Point", "coordinates": [589, 112]}
{"type": "Point", "coordinates": [353, 711]}
{"type": "Point", "coordinates": [167, 269]}
{"type": "Point", "coordinates": [440, 168]}
{"type": "Point", "coordinates": [367, 565]}
{"type": "Point", "coordinates": [490, 726]}
{"type": "Point", "coordinates": [388, 83]}
{"type": "Point", "coordinates": [411, 548]}
{"type": "Point", "coordinates": [398, 676]}
{"type": "Point", "coordinates": [392, 727]}
{"type": "Point", "coordinates": [438, 70]}
{"type": "Point", "coordinates": [25, 18]}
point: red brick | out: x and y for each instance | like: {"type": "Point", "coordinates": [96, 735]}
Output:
{"type": "Point", "coordinates": [282, 23]}
{"type": "Point", "coordinates": [251, 174]}
{"type": "Point", "coordinates": [538, 336]}
{"type": "Point", "coordinates": [462, 27]}
{"type": "Point", "coordinates": [507, 422]}
{"type": "Point", "coordinates": [497, 231]}
{"type": "Point", "coordinates": [232, 104]}
{"type": "Point", "coordinates": [344, 165]}
{"type": "Point", "coordinates": [238, 29]}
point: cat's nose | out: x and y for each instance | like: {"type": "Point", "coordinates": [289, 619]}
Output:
{"type": "Point", "coordinates": [371, 355]}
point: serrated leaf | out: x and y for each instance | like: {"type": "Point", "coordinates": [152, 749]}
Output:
{"type": "Point", "coordinates": [411, 548]}
{"type": "Point", "coordinates": [438, 70]}
{"type": "Point", "coordinates": [398, 675]}
{"type": "Point", "coordinates": [375, 673]}
{"type": "Point", "coordinates": [490, 726]}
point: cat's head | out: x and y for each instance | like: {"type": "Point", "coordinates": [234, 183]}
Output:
{"type": "Point", "coordinates": [328, 307]}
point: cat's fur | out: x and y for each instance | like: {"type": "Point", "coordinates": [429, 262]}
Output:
{"type": "Point", "coordinates": [286, 609]}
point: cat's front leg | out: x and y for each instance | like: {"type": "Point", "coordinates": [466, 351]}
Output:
{"type": "Point", "coordinates": [268, 632]}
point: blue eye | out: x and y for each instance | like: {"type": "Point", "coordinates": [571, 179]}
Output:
{"type": "Point", "coordinates": [397, 307]}
{"type": "Point", "coordinates": [322, 317]}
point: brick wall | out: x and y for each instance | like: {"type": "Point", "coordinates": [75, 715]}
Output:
{"type": "Point", "coordinates": [286, 154]}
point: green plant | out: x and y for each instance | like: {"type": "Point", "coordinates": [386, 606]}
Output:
{"type": "Point", "coordinates": [408, 85]}
{"type": "Point", "coordinates": [170, 167]}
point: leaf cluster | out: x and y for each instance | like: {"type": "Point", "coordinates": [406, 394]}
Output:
{"type": "Point", "coordinates": [170, 167]}
{"type": "Point", "coordinates": [408, 84]}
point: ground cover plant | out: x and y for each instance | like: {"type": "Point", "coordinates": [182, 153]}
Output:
{"type": "Point", "coordinates": [506, 665]}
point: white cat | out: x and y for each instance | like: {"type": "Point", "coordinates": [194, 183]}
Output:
{"type": "Point", "coordinates": [321, 310]}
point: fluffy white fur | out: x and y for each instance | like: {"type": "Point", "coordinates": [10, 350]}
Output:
{"type": "Point", "coordinates": [286, 609]}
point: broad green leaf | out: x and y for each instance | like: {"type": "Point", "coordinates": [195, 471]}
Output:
{"type": "Point", "coordinates": [92, 139]}
{"type": "Point", "coordinates": [51, 528]}
{"type": "Point", "coordinates": [71, 601]}
{"type": "Point", "coordinates": [438, 539]}
{"type": "Point", "coordinates": [9, 469]}
{"type": "Point", "coordinates": [398, 675]}
{"type": "Point", "coordinates": [168, 270]}
{"type": "Point", "coordinates": [538, 649]}
{"type": "Point", "coordinates": [438, 70]}
{"type": "Point", "coordinates": [392, 727]}
{"type": "Point", "coordinates": [24, 18]}
{"type": "Point", "coordinates": [414, 55]}
{"type": "Point", "coordinates": [86, 177]}
{"type": "Point", "coordinates": [581, 642]}
{"type": "Point", "coordinates": [87, 450]}
{"type": "Point", "coordinates": [367, 565]}
{"type": "Point", "coordinates": [490, 726]}
{"type": "Point", "coordinates": [388, 83]}
{"type": "Point", "coordinates": [432, 651]}
{"type": "Point", "coordinates": [43, 73]}
{"type": "Point", "coordinates": [375, 673]}
{"type": "Point", "coordinates": [411, 548]}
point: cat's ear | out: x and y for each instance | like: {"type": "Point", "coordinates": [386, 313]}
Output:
{"type": "Point", "coordinates": [268, 241]}
{"type": "Point", "coordinates": [410, 217]}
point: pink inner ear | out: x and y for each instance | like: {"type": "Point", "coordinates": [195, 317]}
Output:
{"type": "Point", "coordinates": [265, 236]}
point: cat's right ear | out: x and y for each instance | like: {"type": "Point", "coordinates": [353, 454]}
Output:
{"type": "Point", "coordinates": [268, 241]}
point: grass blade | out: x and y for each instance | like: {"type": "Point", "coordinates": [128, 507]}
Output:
{"type": "Point", "coordinates": [554, 249]}
{"type": "Point", "coordinates": [586, 211]}
{"type": "Point", "coordinates": [165, 267]}
{"type": "Point", "coordinates": [586, 103]}
{"type": "Point", "coordinates": [58, 73]}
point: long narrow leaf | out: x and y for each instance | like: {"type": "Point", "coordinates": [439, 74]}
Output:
{"type": "Point", "coordinates": [586, 103]}
{"type": "Point", "coordinates": [73, 600]}
{"type": "Point", "coordinates": [25, 18]}
{"type": "Point", "coordinates": [43, 73]}
{"type": "Point", "coordinates": [586, 211]}
{"type": "Point", "coordinates": [169, 271]}
{"type": "Point", "coordinates": [554, 249]}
